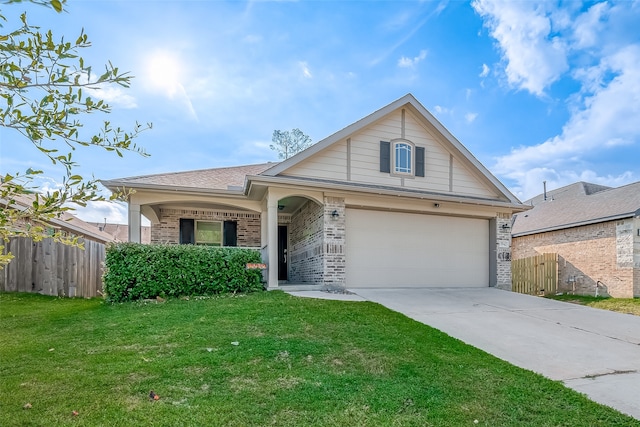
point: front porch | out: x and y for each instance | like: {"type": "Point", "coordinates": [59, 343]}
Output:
{"type": "Point", "coordinates": [300, 235]}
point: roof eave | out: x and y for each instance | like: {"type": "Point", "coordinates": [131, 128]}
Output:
{"type": "Point", "coordinates": [267, 180]}
{"type": "Point", "coordinates": [116, 185]}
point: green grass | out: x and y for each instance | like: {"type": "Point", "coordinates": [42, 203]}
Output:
{"type": "Point", "coordinates": [298, 362]}
{"type": "Point", "coordinates": [621, 305]}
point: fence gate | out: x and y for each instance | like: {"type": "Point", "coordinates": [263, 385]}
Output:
{"type": "Point", "coordinates": [537, 275]}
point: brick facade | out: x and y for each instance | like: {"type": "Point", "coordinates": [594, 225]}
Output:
{"type": "Point", "coordinates": [305, 244]}
{"type": "Point", "coordinates": [606, 254]}
{"type": "Point", "coordinates": [335, 273]}
{"type": "Point", "coordinates": [168, 229]}
{"type": "Point", "coordinates": [317, 244]}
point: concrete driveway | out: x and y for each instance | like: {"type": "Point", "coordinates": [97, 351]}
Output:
{"type": "Point", "coordinates": [592, 351]}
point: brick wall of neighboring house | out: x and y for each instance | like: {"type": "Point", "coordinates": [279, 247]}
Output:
{"type": "Point", "coordinates": [503, 248]}
{"type": "Point", "coordinates": [168, 230]}
{"type": "Point", "coordinates": [305, 244]}
{"type": "Point", "coordinates": [334, 243]}
{"type": "Point", "coordinates": [636, 257]}
{"type": "Point", "coordinates": [593, 254]}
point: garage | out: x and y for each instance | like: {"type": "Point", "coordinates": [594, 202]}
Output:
{"type": "Point", "coordinates": [412, 250]}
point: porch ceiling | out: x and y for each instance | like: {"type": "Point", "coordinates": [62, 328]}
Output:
{"type": "Point", "coordinates": [289, 205]}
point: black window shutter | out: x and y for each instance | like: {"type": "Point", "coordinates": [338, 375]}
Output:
{"type": "Point", "coordinates": [385, 156]}
{"type": "Point", "coordinates": [419, 161]}
{"type": "Point", "coordinates": [230, 233]}
{"type": "Point", "coordinates": [187, 235]}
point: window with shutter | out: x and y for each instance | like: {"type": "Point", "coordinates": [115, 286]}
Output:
{"type": "Point", "coordinates": [401, 157]}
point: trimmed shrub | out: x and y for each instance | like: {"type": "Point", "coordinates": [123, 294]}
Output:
{"type": "Point", "coordinates": [137, 271]}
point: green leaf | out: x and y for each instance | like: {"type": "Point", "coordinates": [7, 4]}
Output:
{"type": "Point", "coordinates": [57, 5]}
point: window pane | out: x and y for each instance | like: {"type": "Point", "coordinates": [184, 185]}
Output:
{"type": "Point", "coordinates": [209, 233]}
{"type": "Point", "coordinates": [403, 158]}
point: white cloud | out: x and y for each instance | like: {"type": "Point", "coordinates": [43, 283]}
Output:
{"type": "Point", "coordinates": [485, 71]}
{"type": "Point", "coordinates": [530, 183]}
{"type": "Point", "coordinates": [441, 110]}
{"type": "Point", "coordinates": [534, 56]}
{"type": "Point", "coordinates": [306, 71]}
{"type": "Point", "coordinates": [588, 26]}
{"type": "Point", "coordinates": [470, 117]}
{"type": "Point", "coordinates": [405, 62]}
{"type": "Point", "coordinates": [606, 117]}
{"type": "Point", "coordinates": [115, 97]}
{"type": "Point", "coordinates": [113, 212]}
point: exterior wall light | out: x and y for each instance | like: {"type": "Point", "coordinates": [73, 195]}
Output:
{"type": "Point", "coordinates": [506, 226]}
{"type": "Point", "coordinates": [335, 214]}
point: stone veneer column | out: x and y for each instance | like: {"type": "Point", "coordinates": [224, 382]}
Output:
{"type": "Point", "coordinates": [334, 243]}
{"type": "Point", "coordinates": [503, 251]}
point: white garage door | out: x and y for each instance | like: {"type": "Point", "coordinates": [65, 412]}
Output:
{"type": "Point", "coordinates": [386, 249]}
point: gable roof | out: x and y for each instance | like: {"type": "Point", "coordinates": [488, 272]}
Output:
{"type": "Point", "coordinates": [411, 103]}
{"type": "Point", "coordinates": [238, 180]}
{"type": "Point", "coordinates": [227, 178]}
{"type": "Point", "coordinates": [577, 204]}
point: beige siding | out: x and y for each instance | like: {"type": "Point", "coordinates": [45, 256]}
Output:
{"type": "Point", "coordinates": [364, 166]}
{"type": "Point", "coordinates": [465, 183]}
{"type": "Point", "coordinates": [330, 163]}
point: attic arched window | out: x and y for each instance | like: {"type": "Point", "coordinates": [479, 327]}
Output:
{"type": "Point", "coordinates": [402, 156]}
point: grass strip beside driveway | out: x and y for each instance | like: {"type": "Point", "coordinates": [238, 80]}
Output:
{"type": "Point", "coordinates": [261, 359]}
{"type": "Point", "coordinates": [621, 305]}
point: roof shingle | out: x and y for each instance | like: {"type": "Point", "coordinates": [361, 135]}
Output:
{"type": "Point", "coordinates": [577, 204]}
{"type": "Point", "coordinates": [216, 179]}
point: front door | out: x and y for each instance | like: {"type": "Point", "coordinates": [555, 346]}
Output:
{"type": "Point", "coordinates": [282, 252]}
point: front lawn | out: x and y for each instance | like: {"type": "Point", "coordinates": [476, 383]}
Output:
{"type": "Point", "coordinates": [261, 359]}
{"type": "Point", "coordinates": [621, 305]}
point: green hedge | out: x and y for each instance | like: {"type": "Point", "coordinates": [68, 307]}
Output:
{"type": "Point", "coordinates": [136, 271]}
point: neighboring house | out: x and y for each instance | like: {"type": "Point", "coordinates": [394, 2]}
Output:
{"type": "Point", "coordinates": [68, 223]}
{"type": "Point", "coordinates": [120, 232]}
{"type": "Point", "coordinates": [594, 229]}
{"type": "Point", "coordinates": [393, 199]}
{"type": "Point", "coordinates": [52, 268]}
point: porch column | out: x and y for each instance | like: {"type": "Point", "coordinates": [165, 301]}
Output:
{"type": "Point", "coordinates": [134, 222]}
{"type": "Point", "coordinates": [272, 241]}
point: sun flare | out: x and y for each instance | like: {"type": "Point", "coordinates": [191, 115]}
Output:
{"type": "Point", "coordinates": [164, 72]}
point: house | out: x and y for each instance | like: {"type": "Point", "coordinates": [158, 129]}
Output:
{"type": "Point", "coordinates": [595, 230]}
{"type": "Point", "coordinates": [49, 267]}
{"type": "Point", "coordinates": [69, 224]}
{"type": "Point", "coordinates": [393, 199]}
{"type": "Point", "coordinates": [120, 232]}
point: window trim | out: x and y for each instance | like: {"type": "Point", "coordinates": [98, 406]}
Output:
{"type": "Point", "coordinates": [394, 166]}
{"type": "Point", "coordinates": [195, 233]}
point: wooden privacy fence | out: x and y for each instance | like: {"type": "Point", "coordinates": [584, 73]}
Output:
{"type": "Point", "coordinates": [537, 275]}
{"type": "Point", "coordinates": [51, 268]}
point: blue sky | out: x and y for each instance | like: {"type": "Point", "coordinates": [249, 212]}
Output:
{"type": "Point", "coordinates": [535, 90]}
